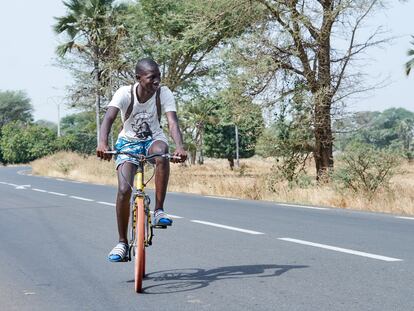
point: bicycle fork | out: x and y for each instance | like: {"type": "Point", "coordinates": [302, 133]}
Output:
{"type": "Point", "coordinates": [148, 225]}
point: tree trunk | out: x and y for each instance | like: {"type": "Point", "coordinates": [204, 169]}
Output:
{"type": "Point", "coordinates": [323, 136]}
{"type": "Point", "coordinates": [236, 129]}
{"type": "Point", "coordinates": [323, 99]}
{"type": "Point", "coordinates": [193, 154]}
{"type": "Point", "coordinates": [200, 159]}
{"type": "Point", "coordinates": [231, 162]}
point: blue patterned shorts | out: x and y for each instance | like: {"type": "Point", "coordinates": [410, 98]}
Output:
{"type": "Point", "coordinates": [133, 147]}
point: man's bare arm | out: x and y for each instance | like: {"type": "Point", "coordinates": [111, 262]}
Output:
{"type": "Point", "coordinates": [176, 135]}
{"type": "Point", "coordinates": [107, 122]}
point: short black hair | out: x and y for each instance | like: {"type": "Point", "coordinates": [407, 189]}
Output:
{"type": "Point", "coordinates": [144, 65]}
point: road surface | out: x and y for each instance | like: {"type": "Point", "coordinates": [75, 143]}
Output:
{"type": "Point", "coordinates": [220, 253]}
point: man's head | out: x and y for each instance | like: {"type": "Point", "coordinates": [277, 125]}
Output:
{"type": "Point", "coordinates": [148, 74]}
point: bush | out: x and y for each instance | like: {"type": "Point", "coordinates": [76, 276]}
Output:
{"type": "Point", "coordinates": [366, 169]}
{"type": "Point", "coordinates": [22, 143]}
{"type": "Point", "coordinates": [78, 142]}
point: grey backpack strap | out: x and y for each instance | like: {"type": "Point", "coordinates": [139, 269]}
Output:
{"type": "Point", "coordinates": [158, 103]}
{"type": "Point", "coordinates": [131, 104]}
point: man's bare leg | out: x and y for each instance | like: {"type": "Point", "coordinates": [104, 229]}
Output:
{"type": "Point", "coordinates": [162, 173]}
{"type": "Point", "coordinates": [126, 173]}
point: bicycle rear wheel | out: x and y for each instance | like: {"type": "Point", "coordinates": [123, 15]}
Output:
{"type": "Point", "coordinates": [140, 246]}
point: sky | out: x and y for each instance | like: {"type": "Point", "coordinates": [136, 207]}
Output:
{"type": "Point", "coordinates": [27, 52]}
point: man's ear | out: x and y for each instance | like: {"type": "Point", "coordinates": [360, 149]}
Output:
{"type": "Point", "coordinates": [137, 76]}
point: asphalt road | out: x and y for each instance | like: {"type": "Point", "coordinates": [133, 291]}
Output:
{"type": "Point", "coordinates": [220, 254]}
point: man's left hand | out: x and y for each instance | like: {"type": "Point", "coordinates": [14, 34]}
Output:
{"type": "Point", "coordinates": [179, 152]}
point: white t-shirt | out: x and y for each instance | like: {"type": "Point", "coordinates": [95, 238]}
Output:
{"type": "Point", "coordinates": [142, 123]}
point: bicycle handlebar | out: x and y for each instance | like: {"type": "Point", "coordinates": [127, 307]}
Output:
{"type": "Point", "coordinates": [142, 157]}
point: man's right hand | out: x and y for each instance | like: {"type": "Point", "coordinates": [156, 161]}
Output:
{"type": "Point", "coordinates": [101, 152]}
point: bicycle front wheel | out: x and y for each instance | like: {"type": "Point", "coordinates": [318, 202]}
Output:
{"type": "Point", "coordinates": [140, 245]}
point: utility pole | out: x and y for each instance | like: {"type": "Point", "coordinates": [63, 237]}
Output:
{"type": "Point", "coordinates": [56, 100]}
{"type": "Point", "coordinates": [58, 123]}
{"type": "Point", "coordinates": [237, 145]}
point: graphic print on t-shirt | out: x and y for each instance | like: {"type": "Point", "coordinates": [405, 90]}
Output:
{"type": "Point", "coordinates": [140, 125]}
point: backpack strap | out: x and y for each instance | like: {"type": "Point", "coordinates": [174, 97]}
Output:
{"type": "Point", "coordinates": [158, 103]}
{"type": "Point", "coordinates": [131, 104]}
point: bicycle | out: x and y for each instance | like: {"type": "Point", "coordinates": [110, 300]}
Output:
{"type": "Point", "coordinates": [141, 224]}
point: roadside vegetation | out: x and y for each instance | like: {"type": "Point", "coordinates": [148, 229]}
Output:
{"type": "Point", "coordinates": [254, 180]}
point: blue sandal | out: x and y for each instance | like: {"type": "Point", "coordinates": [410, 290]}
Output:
{"type": "Point", "coordinates": [119, 252]}
{"type": "Point", "coordinates": [161, 218]}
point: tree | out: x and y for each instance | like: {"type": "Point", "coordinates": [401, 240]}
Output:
{"type": "Point", "coordinates": [219, 138]}
{"type": "Point", "coordinates": [78, 133]}
{"type": "Point", "coordinates": [390, 129]}
{"type": "Point", "coordinates": [181, 35]}
{"type": "Point", "coordinates": [302, 43]}
{"type": "Point", "coordinates": [94, 33]}
{"type": "Point", "coordinates": [410, 64]}
{"type": "Point", "coordinates": [289, 138]}
{"type": "Point", "coordinates": [22, 143]}
{"type": "Point", "coordinates": [14, 106]}
{"type": "Point", "coordinates": [194, 117]}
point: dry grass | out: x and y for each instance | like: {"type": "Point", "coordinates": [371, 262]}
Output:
{"type": "Point", "coordinates": [251, 181]}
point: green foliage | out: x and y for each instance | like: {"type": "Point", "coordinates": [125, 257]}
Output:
{"type": "Point", "coordinates": [15, 106]}
{"type": "Point", "coordinates": [289, 138]}
{"type": "Point", "coordinates": [92, 32]}
{"type": "Point", "coordinates": [366, 169]}
{"type": "Point", "coordinates": [48, 124]}
{"type": "Point", "coordinates": [182, 34]}
{"type": "Point", "coordinates": [22, 143]}
{"type": "Point", "coordinates": [193, 119]}
{"type": "Point", "coordinates": [393, 128]}
{"type": "Point", "coordinates": [78, 133]}
{"type": "Point", "coordinates": [220, 140]}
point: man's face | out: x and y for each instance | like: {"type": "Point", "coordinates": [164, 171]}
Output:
{"type": "Point", "coordinates": [150, 79]}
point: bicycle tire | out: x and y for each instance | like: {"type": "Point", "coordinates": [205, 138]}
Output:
{"type": "Point", "coordinates": [140, 246]}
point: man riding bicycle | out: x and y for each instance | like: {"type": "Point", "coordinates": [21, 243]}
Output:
{"type": "Point", "coordinates": [141, 106]}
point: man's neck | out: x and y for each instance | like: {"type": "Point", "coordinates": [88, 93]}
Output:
{"type": "Point", "coordinates": [143, 95]}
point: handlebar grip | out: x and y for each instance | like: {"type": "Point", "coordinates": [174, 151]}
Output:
{"type": "Point", "coordinates": [175, 157]}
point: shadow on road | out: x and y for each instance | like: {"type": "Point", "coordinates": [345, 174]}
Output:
{"type": "Point", "coordinates": [182, 280]}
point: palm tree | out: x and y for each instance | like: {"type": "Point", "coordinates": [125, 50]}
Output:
{"type": "Point", "coordinates": [91, 29]}
{"type": "Point", "coordinates": [410, 64]}
{"type": "Point", "coordinates": [195, 116]}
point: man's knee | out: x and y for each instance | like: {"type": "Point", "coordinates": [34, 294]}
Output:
{"type": "Point", "coordinates": [124, 190]}
{"type": "Point", "coordinates": [161, 148]}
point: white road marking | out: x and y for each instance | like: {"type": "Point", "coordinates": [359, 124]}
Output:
{"type": "Point", "coordinates": [221, 198]}
{"type": "Point", "coordinates": [57, 193]}
{"type": "Point", "coordinates": [60, 179]}
{"type": "Point", "coordinates": [174, 216]}
{"type": "Point", "coordinates": [226, 227]}
{"type": "Point", "coordinates": [80, 198]}
{"type": "Point", "coordinates": [302, 206]}
{"type": "Point", "coordinates": [106, 203]}
{"type": "Point", "coordinates": [171, 215]}
{"type": "Point", "coordinates": [342, 250]}
{"type": "Point", "coordinates": [23, 172]}
{"type": "Point", "coordinates": [22, 187]}
{"type": "Point", "coordinates": [38, 190]}
{"type": "Point", "coordinates": [402, 217]}
{"type": "Point", "coordinates": [76, 182]}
